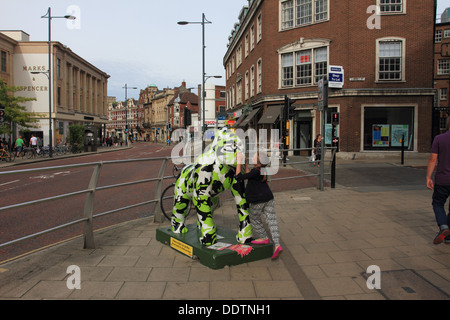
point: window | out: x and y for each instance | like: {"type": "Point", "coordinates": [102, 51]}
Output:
{"type": "Point", "coordinates": [239, 56]}
{"type": "Point", "coordinates": [447, 33]}
{"type": "Point", "coordinates": [252, 38]}
{"type": "Point", "coordinates": [443, 94]}
{"type": "Point", "coordinates": [239, 91]}
{"type": "Point", "coordinates": [246, 45]}
{"type": "Point", "coordinates": [303, 12]}
{"type": "Point", "coordinates": [310, 66]}
{"type": "Point", "coordinates": [391, 6]}
{"type": "Point", "coordinates": [443, 67]}
{"type": "Point", "coordinates": [304, 67]}
{"type": "Point", "coordinates": [438, 36]}
{"type": "Point", "coordinates": [58, 68]}
{"type": "Point", "coordinates": [246, 85]}
{"type": "Point", "coordinates": [259, 28]}
{"type": "Point", "coordinates": [321, 65]}
{"type": "Point", "coordinates": [3, 62]}
{"type": "Point", "coordinates": [287, 14]}
{"type": "Point", "coordinates": [259, 84]}
{"type": "Point", "coordinates": [252, 81]}
{"type": "Point", "coordinates": [321, 12]}
{"type": "Point", "coordinates": [287, 70]}
{"type": "Point", "coordinates": [390, 61]}
{"type": "Point", "coordinates": [384, 128]}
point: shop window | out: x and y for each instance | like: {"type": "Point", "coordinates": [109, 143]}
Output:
{"type": "Point", "coordinates": [384, 128]}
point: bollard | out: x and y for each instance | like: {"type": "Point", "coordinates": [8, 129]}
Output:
{"type": "Point", "coordinates": [333, 170]}
{"type": "Point", "coordinates": [403, 150]}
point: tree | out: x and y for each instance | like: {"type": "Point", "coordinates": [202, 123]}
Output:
{"type": "Point", "coordinates": [15, 112]}
{"type": "Point", "coordinates": [76, 136]}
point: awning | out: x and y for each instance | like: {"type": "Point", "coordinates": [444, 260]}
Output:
{"type": "Point", "coordinates": [249, 117]}
{"type": "Point", "coordinates": [238, 122]}
{"type": "Point", "coordinates": [271, 115]}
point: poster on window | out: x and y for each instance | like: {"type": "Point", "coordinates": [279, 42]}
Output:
{"type": "Point", "coordinates": [380, 135]}
{"type": "Point", "coordinates": [328, 133]}
{"type": "Point", "coordinates": [399, 131]}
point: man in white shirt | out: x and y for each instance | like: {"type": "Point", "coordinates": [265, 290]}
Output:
{"type": "Point", "coordinates": [33, 142]}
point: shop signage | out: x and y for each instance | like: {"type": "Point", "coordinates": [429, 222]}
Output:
{"type": "Point", "coordinates": [336, 77]}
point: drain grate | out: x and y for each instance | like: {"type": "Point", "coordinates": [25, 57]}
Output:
{"type": "Point", "coordinates": [408, 285]}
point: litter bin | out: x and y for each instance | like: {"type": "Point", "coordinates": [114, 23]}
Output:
{"type": "Point", "coordinates": [90, 139]}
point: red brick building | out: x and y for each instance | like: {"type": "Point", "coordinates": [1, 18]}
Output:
{"type": "Point", "coordinates": [441, 76]}
{"type": "Point", "coordinates": [284, 47]}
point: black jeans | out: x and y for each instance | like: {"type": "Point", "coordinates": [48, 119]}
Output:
{"type": "Point", "coordinates": [440, 195]}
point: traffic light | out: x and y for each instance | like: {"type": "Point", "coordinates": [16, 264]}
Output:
{"type": "Point", "coordinates": [335, 143]}
{"type": "Point", "coordinates": [335, 118]}
{"type": "Point", "coordinates": [187, 117]}
{"type": "Point", "coordinates": [289, 109]}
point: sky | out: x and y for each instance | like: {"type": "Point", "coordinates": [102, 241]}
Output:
{"type": "Point", "coordinates": [137, 42]}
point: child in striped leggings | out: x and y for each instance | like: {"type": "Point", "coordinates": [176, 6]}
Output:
{"type": "Point", "coordinates": [261, 201]}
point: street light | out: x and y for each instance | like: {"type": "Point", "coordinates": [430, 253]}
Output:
{"type": "Point", "coordinates": [204, 77]}
{"type": "Point", "coordinates": [49, 16]}
{"type": "Point", "coordinates": [126, 108]}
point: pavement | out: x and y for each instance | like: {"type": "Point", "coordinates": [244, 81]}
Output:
{"type": "Point", "coordinates": [347, 243]}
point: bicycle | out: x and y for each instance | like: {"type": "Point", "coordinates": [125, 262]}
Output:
{"type": "Point", "coordinates": [31, 153]}
{"type": "Point", "coordinates": [44, 152]}
{"type": "Point", "coordinates": [7, 156]}
{"type": "Point", "coordinates": [167, 201]}
{"type": "Point", "coordinates": [61, 150]}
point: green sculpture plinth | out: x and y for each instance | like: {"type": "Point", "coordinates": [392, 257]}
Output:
{"type": "Point", "coordinates": [226, 252]}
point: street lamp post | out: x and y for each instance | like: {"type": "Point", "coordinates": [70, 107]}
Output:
{"type": "Point", "coordinates": [49, 16]}
{"type": "Point", "coordinates": [204, 77]}
{"type": "Point", "coordinates": [126, 108]}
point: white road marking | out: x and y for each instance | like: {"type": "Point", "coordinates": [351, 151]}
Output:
{"type": "Point", "coordinates": [4, 184]}
{"type": "Point", "coordinates": [51, 176]}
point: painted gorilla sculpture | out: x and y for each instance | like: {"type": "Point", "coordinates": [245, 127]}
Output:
{"type": "Point", "coordinates": [203, 181]}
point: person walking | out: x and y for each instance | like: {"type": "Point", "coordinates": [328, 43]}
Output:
{"type": "Point", "coordinates": [318, 150]}
{"type": "Point", "coordinates": [19, 145]}
{"type": "Point", "coordinates": [33, 142]}
{"type": "Point", "coordinates": [440, 159]}
{"type": "Point", "coordinates": [261, 202]}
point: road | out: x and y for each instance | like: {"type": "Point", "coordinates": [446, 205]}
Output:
{"type": "Point", "coordinates": [24, 187]}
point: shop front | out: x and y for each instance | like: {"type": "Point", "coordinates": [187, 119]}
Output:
{"type": "Point", "coordinates": [387, 127]}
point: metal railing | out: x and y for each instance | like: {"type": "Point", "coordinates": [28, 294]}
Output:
{"type": "Point", "coordinates": [88, 229]}
{"type": "Point", "coordinates": [89, 216]}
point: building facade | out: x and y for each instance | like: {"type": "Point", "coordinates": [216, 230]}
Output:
{"type": "Point", "coordinates": [7, 45]}
{"type": "Point", "coordinates": [182, 101]}
{"type": "Point", "coordinates": [442, 76]}
{"type": "Point", "coordinates": [123, 116]}
{"type": "Point", "coordinates": [160, 114]}
{"type": "Point", "coordinates": [79, 89]}
{"type": "Point", "coordinates": [283, 48]}
{"type": "Point", "coordinates": [215, 105]}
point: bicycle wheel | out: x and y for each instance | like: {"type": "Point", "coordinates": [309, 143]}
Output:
{"type": "Point", "coordinates": [30, 153]}
{"type": "Point", "coordinates": [5, 156]}
{"type": "Point", "coordinates": [167, 202]}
